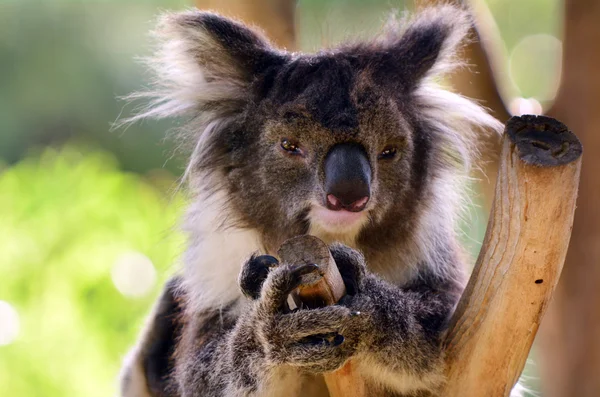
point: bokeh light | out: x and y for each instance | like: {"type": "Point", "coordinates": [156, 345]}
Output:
{"type": "Point", "coordinates": [9, 323]}
{"type": "Point", "coordinates": [535, 66]}
{"type": "Point", "coordinates": [520, 106]}
{"type": "Point", "coordinates": [133, 274]}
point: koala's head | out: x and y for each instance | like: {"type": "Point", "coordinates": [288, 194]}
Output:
{"type": "Point", "coordinates": [340, 143]}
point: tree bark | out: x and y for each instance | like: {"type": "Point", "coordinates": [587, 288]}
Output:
{"type": "Point", "coordinates": [274, 17]}
{"type": "Point", "coordinates": [569, 343]}
{"type": "Point", "coordinates": [526, 242]}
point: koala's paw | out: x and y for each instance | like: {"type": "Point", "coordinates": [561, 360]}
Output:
{"type": "Point", "coordinates": [313, 339]}
{"type": "Point", "coordinates": [351, 265]}
{"type": "Point", "coordinates": [254, 273]}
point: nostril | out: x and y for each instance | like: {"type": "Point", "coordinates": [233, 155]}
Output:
{"type": "Point", "coordinates": [333, 203]}
{"type": "Point", "coordinates": [358, 205]}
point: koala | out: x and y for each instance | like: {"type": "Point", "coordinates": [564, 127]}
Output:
{"type": "Point", "coordinates": [358, 145]}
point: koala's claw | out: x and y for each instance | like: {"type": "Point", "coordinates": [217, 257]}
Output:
{"type": "Point", "coordinates": [319, 353]}
{"type": "Point", "coordinates": [280, 282]}
{"type": "Point", "coordinates": [301, 270]}
{"type": "Point", "coordinates": [312, 339]}
{"type": "Point", "coordinates": [338, 340]}
{"type": "Point", "coordinates": [331, 339]}
{"type": "Point", "coordinates": [309, 338]}
{"type": "Point", "coordinates": [317, 339]}
{"type": "Point", "coordinates": [351, 265]}
{"type": "Point", "coordinates": [254, 273]}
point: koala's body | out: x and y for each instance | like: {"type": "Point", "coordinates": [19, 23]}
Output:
{"type": "Point", "coordinates": [356, 145]}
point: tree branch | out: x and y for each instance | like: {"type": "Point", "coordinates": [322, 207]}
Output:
{"type": "Point", "coordinates": [520, 261]}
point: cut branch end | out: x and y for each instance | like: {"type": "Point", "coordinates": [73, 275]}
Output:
{"type": "Point", "coordinates": [543, 141]}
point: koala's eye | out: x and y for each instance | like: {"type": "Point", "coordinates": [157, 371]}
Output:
{"type": "Point", "coordinates": [389, 152]}
{"type": "Point", "coordinates": [290, 146]}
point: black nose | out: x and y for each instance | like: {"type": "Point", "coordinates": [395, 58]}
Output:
{"type": "Point", "coordinates": [347, 178]}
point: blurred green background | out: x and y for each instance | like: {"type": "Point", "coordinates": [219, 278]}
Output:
{"type": "Point", "coordinates": [84, 210]}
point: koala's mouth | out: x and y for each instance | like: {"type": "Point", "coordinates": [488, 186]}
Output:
{"type": "Point", "coordinates": [337, 221]}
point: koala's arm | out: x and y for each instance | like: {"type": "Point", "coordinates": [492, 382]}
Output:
{"type": "Point", "coordinates": [249, 349]}
{"type": "Point", "coordinates": [182, 355]}
{"type": "Point", "coordinates": [147, 366]}
{"type": "Point", "coordinates": [222, 353]}
{"type": "Point", "coordinates": [268, 347]}
{"type": "Point", "coordinates": [401, 330]}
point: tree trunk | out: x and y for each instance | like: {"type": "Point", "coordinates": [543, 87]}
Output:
{"type": "Point", "coordinates": [274, 17]}
{"type": "Point", "coordinates": [569, 343]}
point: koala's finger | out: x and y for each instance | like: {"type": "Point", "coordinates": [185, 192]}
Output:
{"type": "Point", "coordinates": [301, 324]}
{"type": "Point", "coordinates": [351, 265]}
{"type": "Point", "coordinates": [316, 354]}
{"type": "Point", "coordinates": [280, 282]}
{"type": "Point", "coordinates": [254, 273]}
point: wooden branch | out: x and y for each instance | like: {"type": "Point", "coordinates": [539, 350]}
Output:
{"type": "Point", "coordinates": [520, 261]}
{"type": "Point", "coordinates": [323, 289]}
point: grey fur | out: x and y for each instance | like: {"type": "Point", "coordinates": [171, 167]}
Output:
{"type": "Point", "coordinates": [404, 272]}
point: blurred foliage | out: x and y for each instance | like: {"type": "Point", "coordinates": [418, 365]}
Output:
{"type": "Point", "coordinates": [63, 63]}
{"type": "Point", "coordinates": [62, 66]}
{"type": "Point", "coordinates": [67, 214]}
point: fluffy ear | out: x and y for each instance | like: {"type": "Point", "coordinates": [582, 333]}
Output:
{"type": "Point", "coordinates": [410, 50]}
{"type": "Point", "coordinates": [204, 63]}
{"type": "Point", "coordinates": [408, 54]}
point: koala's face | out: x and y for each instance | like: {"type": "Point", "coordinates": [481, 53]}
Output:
{"type": "Point", "coordinates": [333, 151]}
{"type": "Point", "coordinates": [344, 144]}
